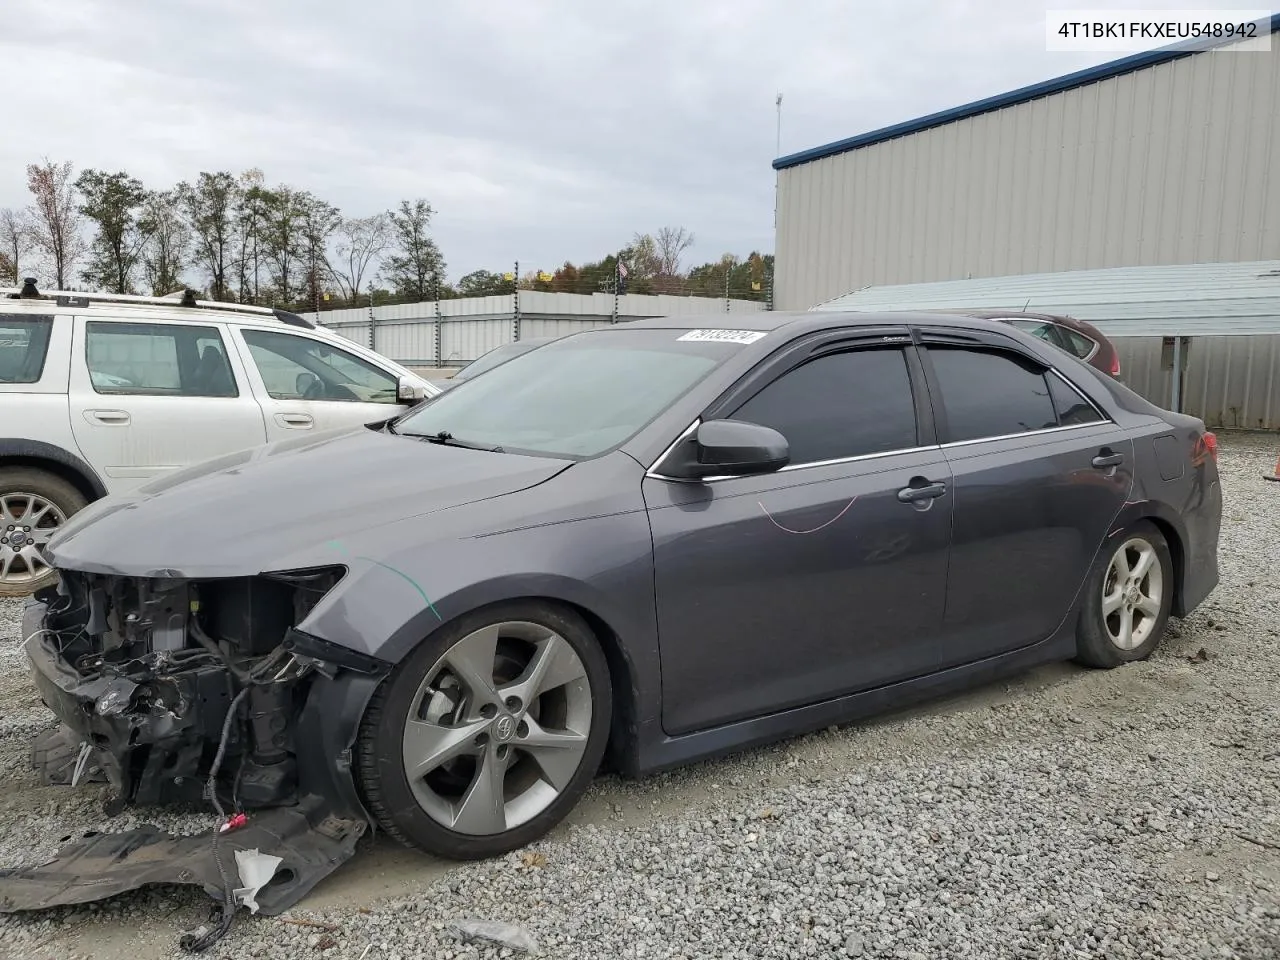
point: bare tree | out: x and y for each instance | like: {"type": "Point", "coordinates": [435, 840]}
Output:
{"type": "Point", "coordinates": [15, 242]}
{"type": "Point", "coordinates": [55, 216]}
{"type": "Point", "coordinates": [672, 242]}
{"type": "Point", "coordinates": [361, 240]}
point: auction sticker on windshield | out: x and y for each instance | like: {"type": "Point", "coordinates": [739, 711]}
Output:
{"type": "Point", "coordinates": [723, 336]}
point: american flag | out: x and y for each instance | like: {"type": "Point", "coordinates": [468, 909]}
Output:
{"type": "Point", "coordinates": [622, 270]}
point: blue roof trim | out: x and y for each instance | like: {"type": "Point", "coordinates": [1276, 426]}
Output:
{"type": "Point", "coordinates": [1080, 78]}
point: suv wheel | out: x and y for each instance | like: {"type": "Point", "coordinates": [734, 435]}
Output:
{"type": "Point", "coordinates": [488, 733]}
{"type": "Point", "coordinates": [33, 504]}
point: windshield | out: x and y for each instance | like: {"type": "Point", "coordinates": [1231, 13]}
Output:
{"type": "Point", "coordinates": [496, 357]}
{"type": "Point", "coordinates": [575, 397]}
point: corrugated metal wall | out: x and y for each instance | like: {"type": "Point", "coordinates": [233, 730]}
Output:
{"type": "Point", "coordinates": [1229, 381]}
{"type": "Point", "coordinates": [1171, 164]}
{"type": "Point", "coordinates": [473, 326]}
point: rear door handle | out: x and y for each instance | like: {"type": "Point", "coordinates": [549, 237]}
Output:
{"type": "Point", "coordinates": [928, 491]}
{"type": "Point", "coordinates": [295, 421]}
{"type": "Point", "coordinates": [1104, 460]}
{"type": "Point", "coordinates": [110, 418]}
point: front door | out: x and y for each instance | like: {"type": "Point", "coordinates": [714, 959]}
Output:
{"type": "Point", "coordinates": [821, 579]}
{"type": "Point", "coordinates": [147, 398]}
{"type": "Point", "coordinates": [1039, 475]}
{"type": "Point", "coordinates": [305, 384]}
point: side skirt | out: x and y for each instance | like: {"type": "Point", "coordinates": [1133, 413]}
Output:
{"type": "Point", "coordinates": [655, 750]}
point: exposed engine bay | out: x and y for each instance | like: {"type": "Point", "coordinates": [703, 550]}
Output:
{"type": "Point", "coordinates": [200, 693]}
{"type": "Point", "coordinates": [157, 664]}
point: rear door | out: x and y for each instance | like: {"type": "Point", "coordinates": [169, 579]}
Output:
{"type": "Point", "coordinates": [305, 384]}
{"type": "Point", "coordinates": [148, 397]}
{"type": "Point", "coordinates": [818, 580]}
{"type": "Point", "coordinates": [1039, 474]}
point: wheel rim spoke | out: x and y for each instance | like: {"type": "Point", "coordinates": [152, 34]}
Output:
{"type": "Point", "coordinates": [428, 745]}
{"type": "Point", "coordinates": [1120, 564]}
{"type": "Point", "coordinates": [471, 659]}
{"type": "Point", "coordinates": [1149, 605]}
{"type": "Point", "coordinates": [483, 809]}
{"type": "Point", "coordinates": [6, 562]}
{"type": "Point", "coordinates": [553, 665]}
{"type": "Point", "coordinates": [1125, 638]}
{"type": "Point", "coordinates": [1112, 602]}
{"type": "Point", "coordinates": [1146, 560]}
{"type": "Point", "coordinates": [556, 752]}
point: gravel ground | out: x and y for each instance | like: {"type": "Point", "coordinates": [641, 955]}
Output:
{"type": "Point", "coordinates": [1133, 813]}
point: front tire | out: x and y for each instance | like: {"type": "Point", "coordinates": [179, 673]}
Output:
{"type": "Point", "coordinates": [489, 733]}
{"type": "Point", "coordinates": [33, 504]}
{"type": "Point", "coordinates": [1129, 594]}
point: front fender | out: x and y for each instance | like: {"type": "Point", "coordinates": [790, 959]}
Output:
{"type": "Point", "coordinates": [386, 607]}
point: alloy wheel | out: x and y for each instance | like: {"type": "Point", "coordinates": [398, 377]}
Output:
{"type": "Point", "coordinates": [497, 728]}
{"type": "Point", "coordinates": [1132, 594]}
{"type": "Point", "coordinates": [27, 521]}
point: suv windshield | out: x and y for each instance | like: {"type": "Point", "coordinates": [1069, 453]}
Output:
{"type": "Point", "coordinates": [575, 397]}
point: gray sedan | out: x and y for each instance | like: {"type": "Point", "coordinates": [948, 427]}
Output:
{"type": "Point", "coordinates": [642, 546]}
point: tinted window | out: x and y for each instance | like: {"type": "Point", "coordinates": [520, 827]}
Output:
{"type": "Point", "coordinates": [577, 396]}
{"type": "Point", "coordinates": [1072, 408]}
{"type": "Point", "coordinates": [157, 359]}
{"type": "Point", "coordinates": [300, 368]}
{"type": "Point", "coordinates": [991, 394]}
{"type": "Point", "coordinates": [841, 405]}
{"type": "Point", "coordinates": [24, 341]}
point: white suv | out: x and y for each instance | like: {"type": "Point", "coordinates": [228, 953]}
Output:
{"type": "Point", "coordinates": [100, 393]}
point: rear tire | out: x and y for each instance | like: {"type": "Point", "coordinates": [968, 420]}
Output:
{"type": "Point", "coordinates": [1128, 596]}
{"type": "Point", "coordinates": [488, 734]}
{"type": "Point", "coordinates": [33, 504]}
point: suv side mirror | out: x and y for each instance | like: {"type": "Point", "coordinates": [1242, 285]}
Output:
{"type": "Point", "coordinates": [729, 448]}
{"type": "Point", "coordinates": [409, 392]}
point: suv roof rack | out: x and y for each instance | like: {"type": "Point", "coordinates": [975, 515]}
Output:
{"type": "Point", "coordinates": [179, 298]}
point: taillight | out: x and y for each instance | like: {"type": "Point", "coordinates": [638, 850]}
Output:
{"type": "Point", "coordinates": [1115, 364]}
{"type": "Point", "coordinates": [1211, 444]}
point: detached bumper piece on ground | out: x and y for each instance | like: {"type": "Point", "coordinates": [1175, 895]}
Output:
{"type": "Point", "coordinates": [163, 711]}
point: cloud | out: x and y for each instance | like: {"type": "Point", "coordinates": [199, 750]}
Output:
{"type": "Point", "coordinates": [539, 131]}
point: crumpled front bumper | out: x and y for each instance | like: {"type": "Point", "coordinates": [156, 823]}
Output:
{"type": "Point", "coordinates": [146, 738]}
{"type": "Point", "coordinates": [312, 836]}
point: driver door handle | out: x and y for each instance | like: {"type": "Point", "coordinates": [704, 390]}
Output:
{"type": "Point", "coordinates": [111, 418]}
{"type": "Point", "coordinates": [295, 421]}
{"type": "Point", "coordinates": [1106, 458]}
{"type": "Point", "coordinates": [928, 491]}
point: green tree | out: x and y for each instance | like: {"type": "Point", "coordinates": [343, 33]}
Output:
{"type": "Point", "coordinates": [112, 201]}
{"type": "Point", "coordinates": [251, 223]}
{"type": "Point", "coordinates": [319, 220]}
{"type": "Point", "coordinates": [566, 279]}
{"type": "Point", "coordinates": [283, 239]}
{"type": "Point", "coordinates": [210, 205]}
{"type": "Point", "coordinates": [8, 272]}
{"type": "Point", "coordinates": [166, 242]}
{"type": "Point", "coordinates": [415, 265]}
{"type": "Point", "coordinates": [483, 283]}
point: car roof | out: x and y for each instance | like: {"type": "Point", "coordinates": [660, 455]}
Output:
{"type": "Point", "coordinates": [802, 321]}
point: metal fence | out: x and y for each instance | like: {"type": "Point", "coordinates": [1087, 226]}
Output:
{"type": "Point", "coordinates": [452, 332]}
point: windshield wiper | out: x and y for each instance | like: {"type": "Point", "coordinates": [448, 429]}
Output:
{"type": "Point", "coordinates": [449, 440]}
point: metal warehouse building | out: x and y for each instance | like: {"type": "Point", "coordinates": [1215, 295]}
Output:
{"type": "Point", "coordinates": [1166, 157]}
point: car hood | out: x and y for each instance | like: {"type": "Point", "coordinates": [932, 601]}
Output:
{"type": "Point", "coordinates": [273, 507]}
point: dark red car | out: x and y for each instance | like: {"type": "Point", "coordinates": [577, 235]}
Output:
{"type": "Point", "coordinates": [1078, 338]}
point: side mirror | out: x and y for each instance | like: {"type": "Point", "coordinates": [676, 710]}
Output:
{"type": "Point", "coordinates": [729, 448]}
{"type": "Point", "coordinates": [407, 391]}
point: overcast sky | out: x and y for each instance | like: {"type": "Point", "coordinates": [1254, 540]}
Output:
{"type": "Point", "coordinates": [541, 130]}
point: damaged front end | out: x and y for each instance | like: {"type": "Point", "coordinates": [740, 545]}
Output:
{"type": "Point", "coordinates": [196, 692]}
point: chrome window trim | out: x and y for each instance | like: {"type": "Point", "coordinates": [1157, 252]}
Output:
{"type": "Point", "coordinates": [1025, 433]}
{"type": "Point", "coordinates": [1106, 418]}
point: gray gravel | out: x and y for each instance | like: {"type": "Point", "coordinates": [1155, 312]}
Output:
{"type": "Point", "coordinates": [1124, 814]}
